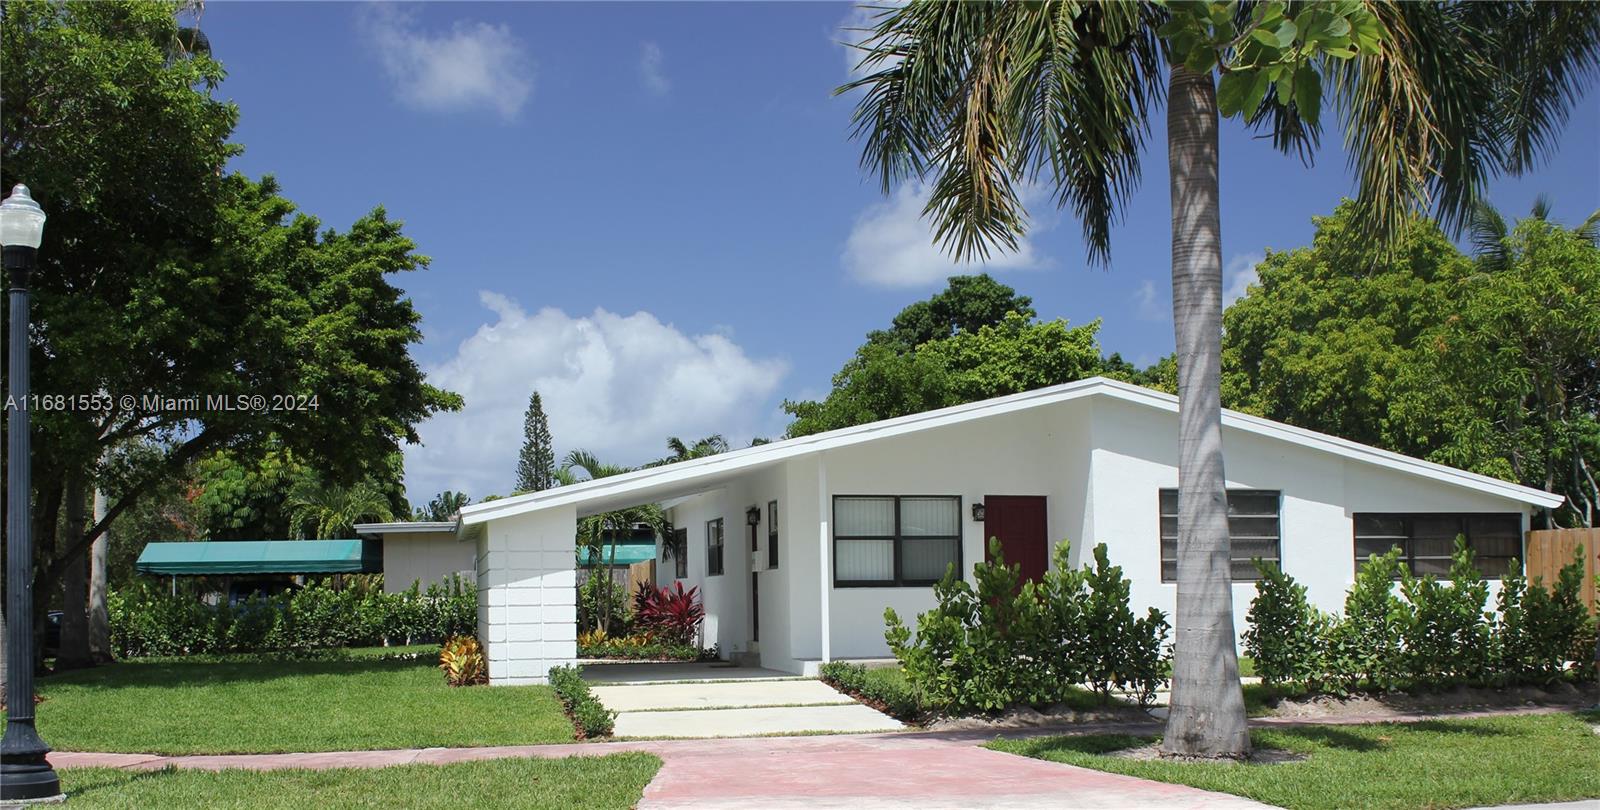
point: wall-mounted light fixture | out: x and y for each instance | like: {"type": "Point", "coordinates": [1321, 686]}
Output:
{"type": "Point", "coordinates": [977, 511]}
{"type": "Point", "coordinates": [752, 516]}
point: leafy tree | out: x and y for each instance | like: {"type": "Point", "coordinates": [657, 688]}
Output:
{"type": "Point", "coordinates": [162, 275]}
{"type": "Point", "coordinates": [247, 498]}
{"type": "Point", "coordinates": [537, 463]}
{"type": "Point", "coordinates": [1321, 338]}
{"type": "Point", "coordinates": [444, 506]}
{"type": "Point", "coordinates": [967, 304]}
{"type": "Point", "coordinates": [1509, 384]}
{"type": "Point", "coordinates": [980, 98]}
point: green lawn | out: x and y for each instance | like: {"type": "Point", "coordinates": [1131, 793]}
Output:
{"type": "Point", "coordinates": [614, 781]}
{"type": "Point", "coordinates": [222, 706]}
{"type": "Point", "coordinates": [1433, 764]}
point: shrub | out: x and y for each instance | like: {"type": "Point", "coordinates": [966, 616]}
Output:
{"type": "Point", "coordinates": [148, 621]}
{"type": "Point", "coordinates": [589, 718]}
{"type": "Point", "coordinates": [1541, 628]}
{"type": "Point", "coordinates": [1001, 643]}
{"type": "Point", "coordinates": [461, 659]}
{"type": "Point", "coordinates": [1445, 632]}
{"type": "Point", "coordinates": [673, 614]}
{"type": "Point", "coordinates": [1285, 633]}
{"type": "Point", "coordinates": [887, 690]}
{"type": "Point", "coordinates": [637, 647]}
{"type": "Point", "coordinates": [1364, 646]}
{"type": "Point", "coordinates": [593, 594]}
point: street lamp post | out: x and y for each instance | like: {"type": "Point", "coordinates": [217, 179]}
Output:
{"type": "Point", "coordinates": [25, 774]}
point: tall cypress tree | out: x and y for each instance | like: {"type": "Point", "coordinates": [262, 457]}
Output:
{"type": "Point", "coordinates": [536, 466]}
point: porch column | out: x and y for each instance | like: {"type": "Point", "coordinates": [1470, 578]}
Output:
{"type": "Point", "coordinates": [825, 547]}
{"type": "Point", "coordinates": [527, 595]}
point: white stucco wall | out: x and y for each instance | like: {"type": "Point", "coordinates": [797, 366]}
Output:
{"type": "Point", "coordinates": [425, 558]}
{"type": "Point", "coordinates": [527, 594]}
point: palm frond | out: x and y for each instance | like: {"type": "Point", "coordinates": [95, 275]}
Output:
{"type": "Point", "coordinates": [1548, 52]}
{"type": "Point", "coordinates": [1589, 229]}
{"type": "Point", "coordinates": [1489, 231]}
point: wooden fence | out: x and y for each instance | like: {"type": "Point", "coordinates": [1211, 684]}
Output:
{"type": "Point", "coordinates": [1550, 549]}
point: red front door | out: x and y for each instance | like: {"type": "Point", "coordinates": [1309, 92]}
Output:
{"type": "Point", "coordinates": [1019, 521]}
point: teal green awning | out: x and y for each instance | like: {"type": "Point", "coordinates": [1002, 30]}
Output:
{"type": "Point", "coordinates": [262, 557]}
{"type": "Point", "coordinates": [628, 553]}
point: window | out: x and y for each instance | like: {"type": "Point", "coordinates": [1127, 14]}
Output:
{"type": "Point", "coordinates": [772, 534]}
{"type": "Point", "coordinates": [1252, 531]}
{"type": "Point", "coordinates": [1426, 540]}
{"type": "Point", "coordinates": [892, 540]}
{"type": "Point", "coordinates": [680, 553]}
{"type": "Point", "coordinates": [713, 547]}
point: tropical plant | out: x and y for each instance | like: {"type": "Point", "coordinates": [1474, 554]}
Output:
{"type": "Point", "coordinates": [601, 534]}
{"type": "Point", "coordinates": [980, 98]}
{"type": "Point", "coordinates": [673, 614]}
{"type": "Point", "coordinates": [332, 511]}
{"type": "Point", "coordinates": [462, 660]}
{"type": "Point", "coordinates": [444, 506]}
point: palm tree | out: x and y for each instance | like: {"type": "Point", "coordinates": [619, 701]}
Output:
{"type": "Point", "coordinates": [444, 506]}
{"type": "Point", "coordinates": [333, 511]}
{"type": "Point", "coordinates": [709, 446]}
{"type": "Point", "coordinates": [1490, 231]}
{"type": "Point", "coordinates": [601, 533]}
{"type": "Point", "coordinates": [979, 99]}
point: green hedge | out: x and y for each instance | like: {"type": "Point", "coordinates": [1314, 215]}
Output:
{"type": "Point", "coordinates": [589, 717]}
{"type": "Point", "coordinates": [1007, 643]}
{"type": "Point", "coordinates": [1432, 634]}
{"type": "Point", "coordinates": [149, 621]}
{"type": "Point", "coordinates": [885, 689]}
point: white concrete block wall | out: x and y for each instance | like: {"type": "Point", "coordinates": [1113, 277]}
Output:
{"type": "Point", "coordinates": [527, 596]}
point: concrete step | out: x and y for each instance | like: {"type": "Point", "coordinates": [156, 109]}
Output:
{"type": "Point", "coordinates": [731, 694]}
{"type": "Point", "coordinates": [851, 718]}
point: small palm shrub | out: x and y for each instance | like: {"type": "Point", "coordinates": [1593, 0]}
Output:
{"type": "Point", "coordinates": [461, 659]}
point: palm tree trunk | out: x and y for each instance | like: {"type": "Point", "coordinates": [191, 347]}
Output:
{"type": "Point", "coordinates": [1207, 716]}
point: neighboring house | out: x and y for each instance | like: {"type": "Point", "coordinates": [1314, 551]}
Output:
{"type": "Point", "coordinates": [799, 545]}
{"type": "Point", "coordinates": [424, 552]}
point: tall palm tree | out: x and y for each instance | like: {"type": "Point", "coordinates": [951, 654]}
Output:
{"type": "Point", "coordinates": [683, 451]}
{"type": "Point", "coordinates": [602, 533]}
{"type": "Point", "coordinates": [978, 99]}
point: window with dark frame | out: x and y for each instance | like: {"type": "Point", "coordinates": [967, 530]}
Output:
{"type": "Point", "coordinates": [1426, 540]}
{"type": "Point", "coordinates": [680, 562]}
{"type": "Point", "coordinates": [772, 534]}
{"type": "Point", "coordinates": [1254, 530]}
{"type": "Point", "coordinates": [895, 540]}
{"type": "Point", "coordinates": [714, 547]}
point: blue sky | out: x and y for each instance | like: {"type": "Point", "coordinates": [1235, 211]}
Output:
{"type": "Point", "coordinates": [653, 213]}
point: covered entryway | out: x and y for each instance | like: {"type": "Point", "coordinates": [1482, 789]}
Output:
{"type": "Point", "coordinates": [1020, 523]}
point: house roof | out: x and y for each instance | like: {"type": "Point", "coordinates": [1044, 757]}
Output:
{"type": "Point", "coordinates": [686, 477]}
{"type": "Point", "coordinates": [404, 527]}
{"type": "Point", "coordinates": [261, 557]}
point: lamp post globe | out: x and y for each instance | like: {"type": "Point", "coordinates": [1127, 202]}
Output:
{"type": "Point", "coordinates": [25, 774]}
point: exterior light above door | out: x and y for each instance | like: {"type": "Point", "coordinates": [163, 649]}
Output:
{"type": "Point", "coordinates": [977, 511]}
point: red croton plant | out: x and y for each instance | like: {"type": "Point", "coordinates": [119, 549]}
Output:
{"type": "Point", "coordinates": [671, 614]}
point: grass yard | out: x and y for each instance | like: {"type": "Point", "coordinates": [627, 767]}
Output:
{"type": "Point", "coordinates": [220, 706]}
{"type": "Point", "coordinates": [1433, 764]}
{"type": "Point", "coordinates": [615, 781]}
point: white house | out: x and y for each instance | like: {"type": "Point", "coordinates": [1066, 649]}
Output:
{"type": "Point", "coordinates": [799, 545]}
{"type": "Point", "coordinates": [422, 552]}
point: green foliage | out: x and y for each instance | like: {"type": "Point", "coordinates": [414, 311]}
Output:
{"type": "Point", "coordinates": [887, 690]}
{"type": "Point", "coordinates": [444, 506]}
{"type": "Point", "coordinates": [589, 716]}
{"type": "Point", "coordinates": [967, 304]}
{"type": "Point", "coordinates": [638, 647]}
{"type": "Point", "coordinates": [1439, 635]}
{"type": "Point", "coordinates": [146, 620]}
{"type": "Point", "coordinates": [536, 464]}
{"type": "Point", "coordinates": [1001, 643]}
{"type": "Point", "coordinates": [1285, 633]}
{"type": "Point", "coordinates": [1542, 626]}
{"type": "Point", "coordinates": [599, 599]}
{"type": "Point", "coordinates": [1446, 634]}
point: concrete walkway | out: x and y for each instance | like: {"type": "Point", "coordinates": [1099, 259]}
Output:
{"type": "Point", "coordinates": [916, 770]}
{"type": "Point", "coordinates": [699, 703]}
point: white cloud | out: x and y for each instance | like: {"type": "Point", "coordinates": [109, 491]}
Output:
{"type": "Point", "coordinates": [1150, 304]}
{"type": "Point", "coordinates": [891, 245]}
{"type": "Point", "coordinates": [473, 65]}
{"type": "Point", "coordinates": [1238, 276]}
{"type": "Point", "coordinates": [651, 72]}
{"type": "Point", "coordinates": [616, 385]}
